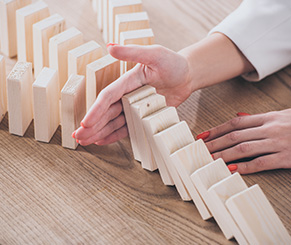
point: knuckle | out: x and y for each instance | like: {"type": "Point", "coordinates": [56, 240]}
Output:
{"type": "Point", "coordinates": [260, 163]}
{"type": "Point", "coordinates": [233, 136]}
{"type": "Point", "coordinates": [235, 122]}
{"type": "Point", "coordinates": [243, 147]}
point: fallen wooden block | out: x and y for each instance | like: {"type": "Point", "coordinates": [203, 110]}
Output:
{"type": "Point", "coordinates": [100, 14]}
{"type": "Point", "coordinates": [127, 100]}
{"type": "Point", "coordinates": [8, 25]}
{"type": "Point", "coordinates": [25, 18]}
{"type": "Point", "coordinates": [80, 57]}
{"type": "Point", "coordinates": [42, 32]}
{"type": "Point", "coordinates": [3, 92]}
{"type": "Point", "coordinates": [153, 124]}
{"type": "Point", "coordinates": [19, 94]}
{"type": "Point", "coordinates": [73, 108]}
{"type": "Point", "coordinates": [219, 193]}
{"type": "Point", "coordinates": [169, 141]}
{"type": "Point", "coordinates": [99, 75]}
{"type": "Point", "coordinates": [59, 46]}
{"type": "Point", "coordinates": [256, 217]}
{"type": "Point", "coordinates": [46, 104]}
{"type": "Point", "coordinates": [139, 110]}
{"type": "Point", "coordinates": [186, 161]}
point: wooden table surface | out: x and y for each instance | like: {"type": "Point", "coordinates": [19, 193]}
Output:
{"type": "Point", "coordinates": [100, 195]}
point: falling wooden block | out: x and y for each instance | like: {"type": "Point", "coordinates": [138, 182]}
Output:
{"type": "Point", "coordinates": [219, 193]}
{"type": "Point", "coordinates": [80, 57]}
{"type": "Point", "coordinates": [138, 37]}
{"type": "Point", "coordinates": [19, 94]}
{"type": "Point", "coordinates": [130, 22]}
{"type": "Point", "coordinates": [8, 25]}
{"type": "Point", "coordinates": [100, 14]}
{"type": "Point", "coordinates": [127, 100]}
{"type": "Point", "coordinates": [105, 33]}
{"type": "Point", "coordinates": [170, 140]}
{"type": "Point", "coordinates": [42, 32]}
{"type": "Point", "coordinates": [46, 104]}
{"type": "Point", "coordinates": [116, 7]}
{"type": "Point", "coordinates": [186, 161]}
{"type": "Point", "coordinates": [99, 75]}
{"type": "Point", "coordinates": [3, 93]}
{"type": "Point", "coordinates": [25, 18]}
{"type": "Point", "coordinates": [256, 217]}
{"type": "Point", "coordinates": [59, 46]}
{"type": "Point", "coordinates": [73, 108]}
{"type": "Point", "coordinates": [139, 110]}
{"type": "Point", "coordinates": [153, 124]}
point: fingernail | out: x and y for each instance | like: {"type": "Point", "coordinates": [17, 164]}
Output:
{"type": "Point", "coordinates": [232, 167]}
{"type": "Point", "coordinates": [111, 44]}
{"type": "Point", "coordinates": [82, 125]}
{"type": "Point", "coordinates": [212, 156]}
{"type": "Point", "coordinates": [240, 114]}
{"type": "Point", "coordinates": [77, 141]}
{"type": "Point", "coordinates": [73, 134]}
{"type": "Point", "coordinates": [203, 135]}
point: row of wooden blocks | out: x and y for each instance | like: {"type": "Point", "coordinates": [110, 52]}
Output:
{"type": "Point", "coordinates": [161, 141]}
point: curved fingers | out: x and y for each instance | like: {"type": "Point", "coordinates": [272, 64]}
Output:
{"type": "Point", "coordinates": [115, 136]}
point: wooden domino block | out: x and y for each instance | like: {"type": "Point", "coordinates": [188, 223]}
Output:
{"type": "Point", "coordinates": [42, 32]}
{"type": "Point", "coordinates": [19, 94]}
{"type": "Point", "coordinates": [95, 5]}
{"type": "Point", "coordinates": [120, 7]}
{"type": "Point", "coordinates": [105, 15]}
{"type": "Point", "coordinates": [127, 100]}
{"type": "Point", "coordinates": [80, 57]}
{"type": "Point", "coordinates": [73, 108]}
{"type": "Point", "coordinates": [139, 37]}
{"type": "Point", "coordinates": [100, 14]}
{"type": "Point", "coordinates": [186, 161]}
{"type": "Point", "coordinates": [25, 18]}
{"type": "Point", "coordinates": [219, 193]}
{"type": "Point", "coordinates": [8, 25]}
{"type": "Point", "coordinates": [46, 104]}
{"type": "Point", "coordinates": [59, 46]}
{"type": "Point", "coordinates": [170, 140]}
{"type": "Point", "coordinates": [3, 93]}
{"type": "Point", "coordinates": [256, 217]}
{"type": "Point", "coordinates": [99, 75]}
{"type": "Point", "coordinates": [139, 110]}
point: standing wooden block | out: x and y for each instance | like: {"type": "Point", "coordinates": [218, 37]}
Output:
{"type": "Point", "coordinates": [127, 100]}
{"type": "Point", "coordinates": [73, 108]}
{"type": "Point", "coordinates": [8, 25]}
{"type": "Point", "coordinates": [25, 18]}
{"type": "Point", "coordinates": [99, 75]}
{"type": "Point", "coordinates": [130, 22]}
{"type": "Point", "coordinates": [46, 104]}
{"type": "Point", "coordinates": [100, 14]}
{"type": "Point", "coordinates": [256, 217]}
{"type": "Point", "coordinates": [3, 94]}
{"type": "Point", "coordinates": [170, 140]}
{"type": "Point", "coordinates": [139, 110]}
{"type": "Point", "coordinates": [138, 37]}
{"type": "Point", "coordinates": [186, 161]}
{"type": "Point", "coordinates": [19, 94]}
{"type": "Point", "coordinates": [219, 193]}
{"type": "Point", "coordinates": [95, 5]}
{"type": "Point", "coordinates": [42, 32]}
{"type": "Point", "coordinates": [59, 46]}
{"type": "Point", "coordinates": [105, 33]}
{"type": "Point", "coordinates": [116, 7]}
{"type": "Point", "coordinates": [80, 57]}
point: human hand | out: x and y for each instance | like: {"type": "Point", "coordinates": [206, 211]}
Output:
{"type": "Point", "coordinates": [264, 137]}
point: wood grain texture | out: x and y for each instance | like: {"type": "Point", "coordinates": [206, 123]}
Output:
{"type": "Point", "coordinates": [3, 91]}
{"type": "Point", "coordinates": [100, 194]}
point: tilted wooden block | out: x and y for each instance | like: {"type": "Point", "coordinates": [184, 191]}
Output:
{"type": "Point", "coordinates": [139, 110]}
{"type": "Point", "coordinates": [130, 22]}
{"type": "Point", "coordinates": [3, 93]}
{"type": "Point", "coordinates": [80, 57]}
{"type": "Point", "coordinates": [100, 14]}
{"type": "Point", "coordinates": [25, 18]}
{"type": "Point", "coordinates": [73, 108]}
{"type": "Point", "coordinates": [219, 193]}
{"type": "Point", "coordinates": [256, 217]}
{"type": "Point", "coordinates": [153, 124]}
{"type": "Point", "coordinates": [46, 104]}
{"type": "Point", "coordinates": [127, 100]}
{"type": "Point", "coordinates": [186, 161]}
{"type": "Point", "coordinates": [99, 75]}
{"type": "Point", "coordinates": [59, 46]}
{"type": "Point", "coordinates": [42, 32]}
{"type": "Point", "coordinates": [170, 140]}
{"type": "Point", "coordinates": [120, 7]}
{"type": "Point", "coordinates": [19, 94]}
{"type": "Point", "coordinates": [105, 15]}
{"type": "Point", "coordinates": [8, 25]}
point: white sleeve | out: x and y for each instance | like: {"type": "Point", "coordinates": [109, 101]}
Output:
{"type": "Point", "coordinates": [261, 29]}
